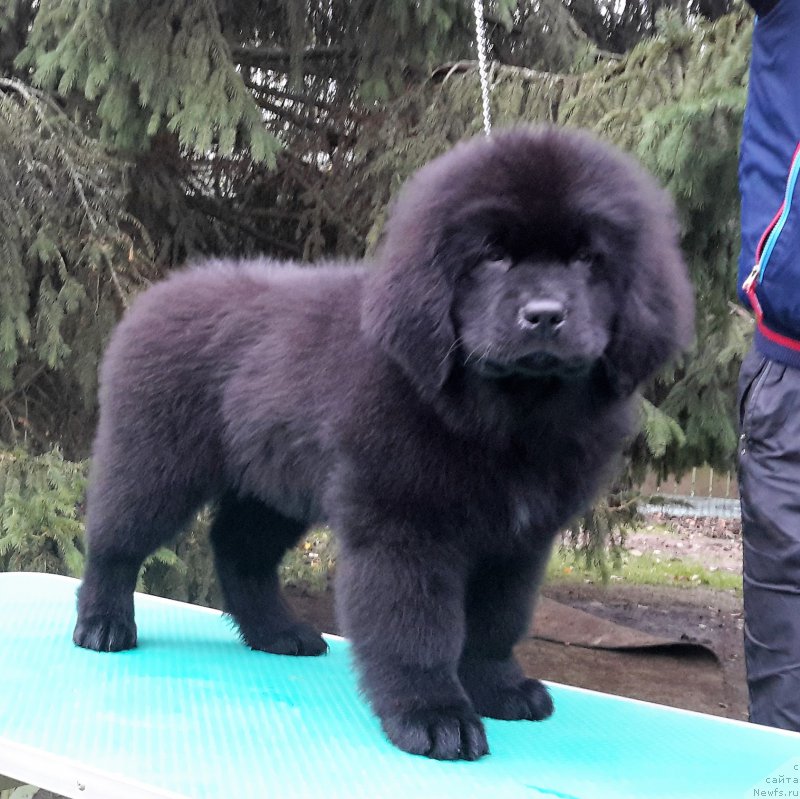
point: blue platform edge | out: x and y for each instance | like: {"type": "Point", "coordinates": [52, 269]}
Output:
{"type": "Point", "coordinates": [193, 713]}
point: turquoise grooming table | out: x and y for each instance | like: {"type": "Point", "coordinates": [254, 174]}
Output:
{"type": "Point", "coordinates": [194, 713]}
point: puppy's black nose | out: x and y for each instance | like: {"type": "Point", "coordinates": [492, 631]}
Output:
{"type": "Point", "coordinates": [543, 318]}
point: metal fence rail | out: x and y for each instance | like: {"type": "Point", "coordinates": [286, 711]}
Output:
{"type": "Point", "coordinates": [714, 507]}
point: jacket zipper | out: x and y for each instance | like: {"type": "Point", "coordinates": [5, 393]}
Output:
{"type": "Point", "coordinates": [764, 250]}
{"type": "Point", "coordinates": [769, 238]}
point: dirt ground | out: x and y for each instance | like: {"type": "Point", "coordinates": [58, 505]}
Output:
{"type": "Point", "coordinates": [709, 679]}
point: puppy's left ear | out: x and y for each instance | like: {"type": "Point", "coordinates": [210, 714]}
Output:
{"type": "Point", "coordinates": [655, 318]}
{"type": "Point", "coordinates": [406, 309]}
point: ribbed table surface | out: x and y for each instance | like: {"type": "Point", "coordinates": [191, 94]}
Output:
{"type": "Point", "coordinates": [193, 713]}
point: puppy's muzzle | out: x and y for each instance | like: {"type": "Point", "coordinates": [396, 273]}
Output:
{"type": "Point", "coordinates": [542, 318]}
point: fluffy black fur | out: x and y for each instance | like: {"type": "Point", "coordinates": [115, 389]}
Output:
{"type": "Point", "coordinates": [446, 411]}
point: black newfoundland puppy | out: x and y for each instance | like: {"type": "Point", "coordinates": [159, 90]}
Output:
{"type": "Point", "coordinates": [446, 411]}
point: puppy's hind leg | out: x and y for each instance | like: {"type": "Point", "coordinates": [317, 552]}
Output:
{"type": "Point", "coordinates": [128, 519]}
{"type": "Point", "coordinates": [249, 540]}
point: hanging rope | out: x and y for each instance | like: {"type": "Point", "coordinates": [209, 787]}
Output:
{"type": "Point", "coordinates": [480, 44]}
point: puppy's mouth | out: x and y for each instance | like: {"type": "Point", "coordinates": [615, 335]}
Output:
{"type": "Point", "coordinates": [533, 365]}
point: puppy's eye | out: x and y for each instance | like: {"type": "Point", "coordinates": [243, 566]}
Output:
{"type": "Point", "coordinates": [586, 255]}
{"type": "Point", "coordinates": [496, 257]}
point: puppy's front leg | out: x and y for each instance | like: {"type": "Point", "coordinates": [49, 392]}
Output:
{"type": "Point", "coordinates": [499, 600]}
{"type": "Point", "coordinates": [402, 606]}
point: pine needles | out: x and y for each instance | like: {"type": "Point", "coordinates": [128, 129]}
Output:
{"type": "Point", "coordinates": [70, 253]}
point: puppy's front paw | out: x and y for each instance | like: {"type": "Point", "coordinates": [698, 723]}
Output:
{"type": "Point", "coordinates": [443, 733]}
{"type": "Point", "coordinates": [299, 639]}
{"type": "Point", "coordinates": [528, 699]}
{"type": "Point", "coordinates": [106, 633]}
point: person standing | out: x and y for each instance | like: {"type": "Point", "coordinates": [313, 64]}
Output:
{"type": "Point", "coordinates": [769, 382]}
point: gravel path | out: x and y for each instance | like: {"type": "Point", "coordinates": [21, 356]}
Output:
{"type": "Point", "coordinates": [715, 543]}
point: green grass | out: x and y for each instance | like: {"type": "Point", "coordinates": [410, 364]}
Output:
{"type": "Point", "coordinates": [645, 569]}
{"type": "Point", "coordinates": [309, 566]}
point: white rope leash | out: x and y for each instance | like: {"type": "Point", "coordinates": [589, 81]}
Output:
{"type": "Point", "coordinates": [480, 43]}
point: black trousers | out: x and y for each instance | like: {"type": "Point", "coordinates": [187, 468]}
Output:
{"type": "Point", "coordinates": [769, 484]}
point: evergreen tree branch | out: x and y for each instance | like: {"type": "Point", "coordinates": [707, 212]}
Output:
{"type": "Point", "coordinates": [218, 211]}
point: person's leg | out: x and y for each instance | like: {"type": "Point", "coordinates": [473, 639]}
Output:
{"type": "Point", "coordinates": [769, 483]}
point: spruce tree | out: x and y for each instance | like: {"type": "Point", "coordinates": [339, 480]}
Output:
{"type": "Point", "coordinates": [70, 255]}
{"type": "Point", "coordinates": [135, 137]}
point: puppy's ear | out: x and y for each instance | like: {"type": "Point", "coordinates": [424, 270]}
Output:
{"type": "Point", "coordinates": [406, 309]}
{"type": "Point", "coordinates": [655, 317]}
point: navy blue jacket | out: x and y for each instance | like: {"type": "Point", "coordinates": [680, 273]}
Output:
{"type": "Point", "coordinates": [769, 180]}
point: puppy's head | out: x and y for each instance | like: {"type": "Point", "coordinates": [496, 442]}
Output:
{"type": "Point", "coordinates": [536, 252]}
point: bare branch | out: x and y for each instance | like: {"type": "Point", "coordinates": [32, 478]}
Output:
{"type": "Point", "coordinates": [268, 56]}
{"type": "Point", "coordinates": [304, 99]}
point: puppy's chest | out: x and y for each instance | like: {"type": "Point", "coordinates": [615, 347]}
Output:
{"type": "Point", "coordinates": [522, 512]}
{"type": "Point", "coordinates": [539, 509]}
{"type": "Point", "coordinates": [540, 497]}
